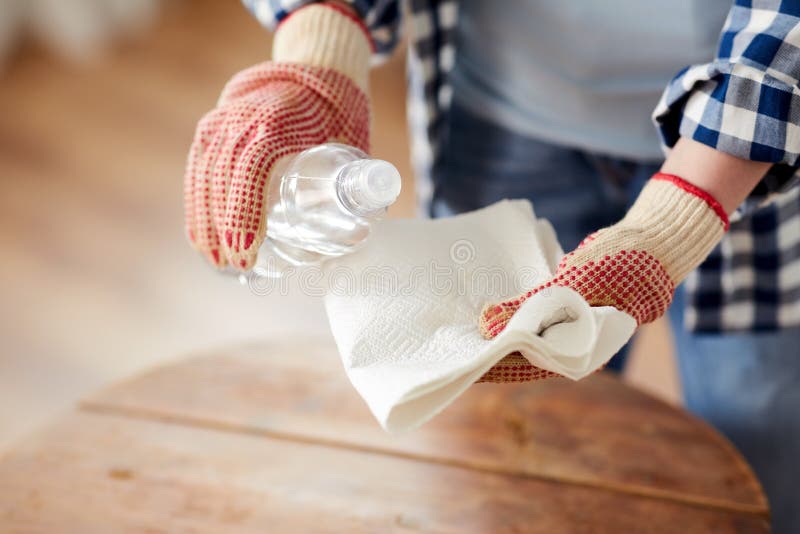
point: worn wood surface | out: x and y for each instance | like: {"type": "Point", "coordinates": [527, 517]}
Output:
{"type": "Point", "coordinates": [272, 437]}
{"type": "Point", "coordinates": [104, 473]}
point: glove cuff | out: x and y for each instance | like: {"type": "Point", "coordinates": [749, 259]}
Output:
{"type": "Point", "coordinates": [672, 220]}
{"type": "Point", "coordinates": [681, 222]}
{"type": "Point", "coordinates": [325, 35]}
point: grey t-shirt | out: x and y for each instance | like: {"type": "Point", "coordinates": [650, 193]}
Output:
{"type": "Point", "coordinates": [582, 73]}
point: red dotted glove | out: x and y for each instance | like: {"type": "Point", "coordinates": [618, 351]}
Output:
{"type": "Point", "coordinates": [633, 265]}
{"type": "Point", "coordinates": [314, 92]}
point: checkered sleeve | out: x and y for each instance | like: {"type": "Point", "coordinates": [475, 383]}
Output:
{"type": "Point", "coordinates": [382, 18]}
{"type": "Point", "coordinates": [746, 102]}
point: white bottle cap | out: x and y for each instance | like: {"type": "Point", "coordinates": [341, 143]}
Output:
{"type": "Point", "coordinates": [378, 183]}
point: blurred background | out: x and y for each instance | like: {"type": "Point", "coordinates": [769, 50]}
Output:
{"type": "Point", "coordinates": [98, 102]}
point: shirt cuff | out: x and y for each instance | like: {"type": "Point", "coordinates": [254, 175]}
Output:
{"type": "Point", "coordinates": [740, 110]}
{"type": "Point", "coordinates": [382, 19]}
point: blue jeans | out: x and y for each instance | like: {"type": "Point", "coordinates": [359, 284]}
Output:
{"type": "Point", "coordinates": [747, 385]}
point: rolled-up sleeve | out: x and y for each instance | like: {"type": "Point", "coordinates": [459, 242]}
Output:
{"type": "Point", "coordinates": [382, 18]}
{"type": "Point", "coordinates": [746, 102]}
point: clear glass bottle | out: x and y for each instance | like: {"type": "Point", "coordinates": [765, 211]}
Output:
{"type": "Point", "coordinates": [321, 204]}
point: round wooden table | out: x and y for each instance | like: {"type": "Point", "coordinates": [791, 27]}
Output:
{"type": "Point", "coordinates": [272, 438]}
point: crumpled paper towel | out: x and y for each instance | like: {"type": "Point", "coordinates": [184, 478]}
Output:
{"type": "Point", "coordinates": [404, 310]}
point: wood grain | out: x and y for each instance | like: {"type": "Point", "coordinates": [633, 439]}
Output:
{"type": "Point", "coordinates": [98, 473]}
{"type": "Point", "coordinates": [595, 433]}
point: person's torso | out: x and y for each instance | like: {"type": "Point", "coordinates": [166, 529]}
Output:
{"type": "Point", "coordinates": [585, 73]}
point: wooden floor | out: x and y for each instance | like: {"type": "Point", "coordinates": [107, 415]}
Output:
{"type": "Point", "coordinates": [96, 279]}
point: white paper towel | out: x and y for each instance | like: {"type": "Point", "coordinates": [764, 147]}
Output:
{"type": "Point", "coordinates": [404, 310]}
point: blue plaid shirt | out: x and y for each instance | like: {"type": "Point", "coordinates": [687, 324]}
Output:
{"type": "Point", "coordinates": [745, 102]}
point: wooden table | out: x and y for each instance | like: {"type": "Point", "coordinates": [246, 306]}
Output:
{"type": "Point", "coordinates": [272, 438]}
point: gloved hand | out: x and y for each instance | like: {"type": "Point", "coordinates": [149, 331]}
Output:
{"type": "Point", "coordinates": [633, 265]}
{"type": "Point", "coordinates": [314, 91]}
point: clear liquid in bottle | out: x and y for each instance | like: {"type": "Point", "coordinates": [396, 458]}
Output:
{"type": "Point", "coordinates": [321, 204]}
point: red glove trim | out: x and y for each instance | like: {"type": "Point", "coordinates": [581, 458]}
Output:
{"type": "Point", "coordinates": [696, 191]}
